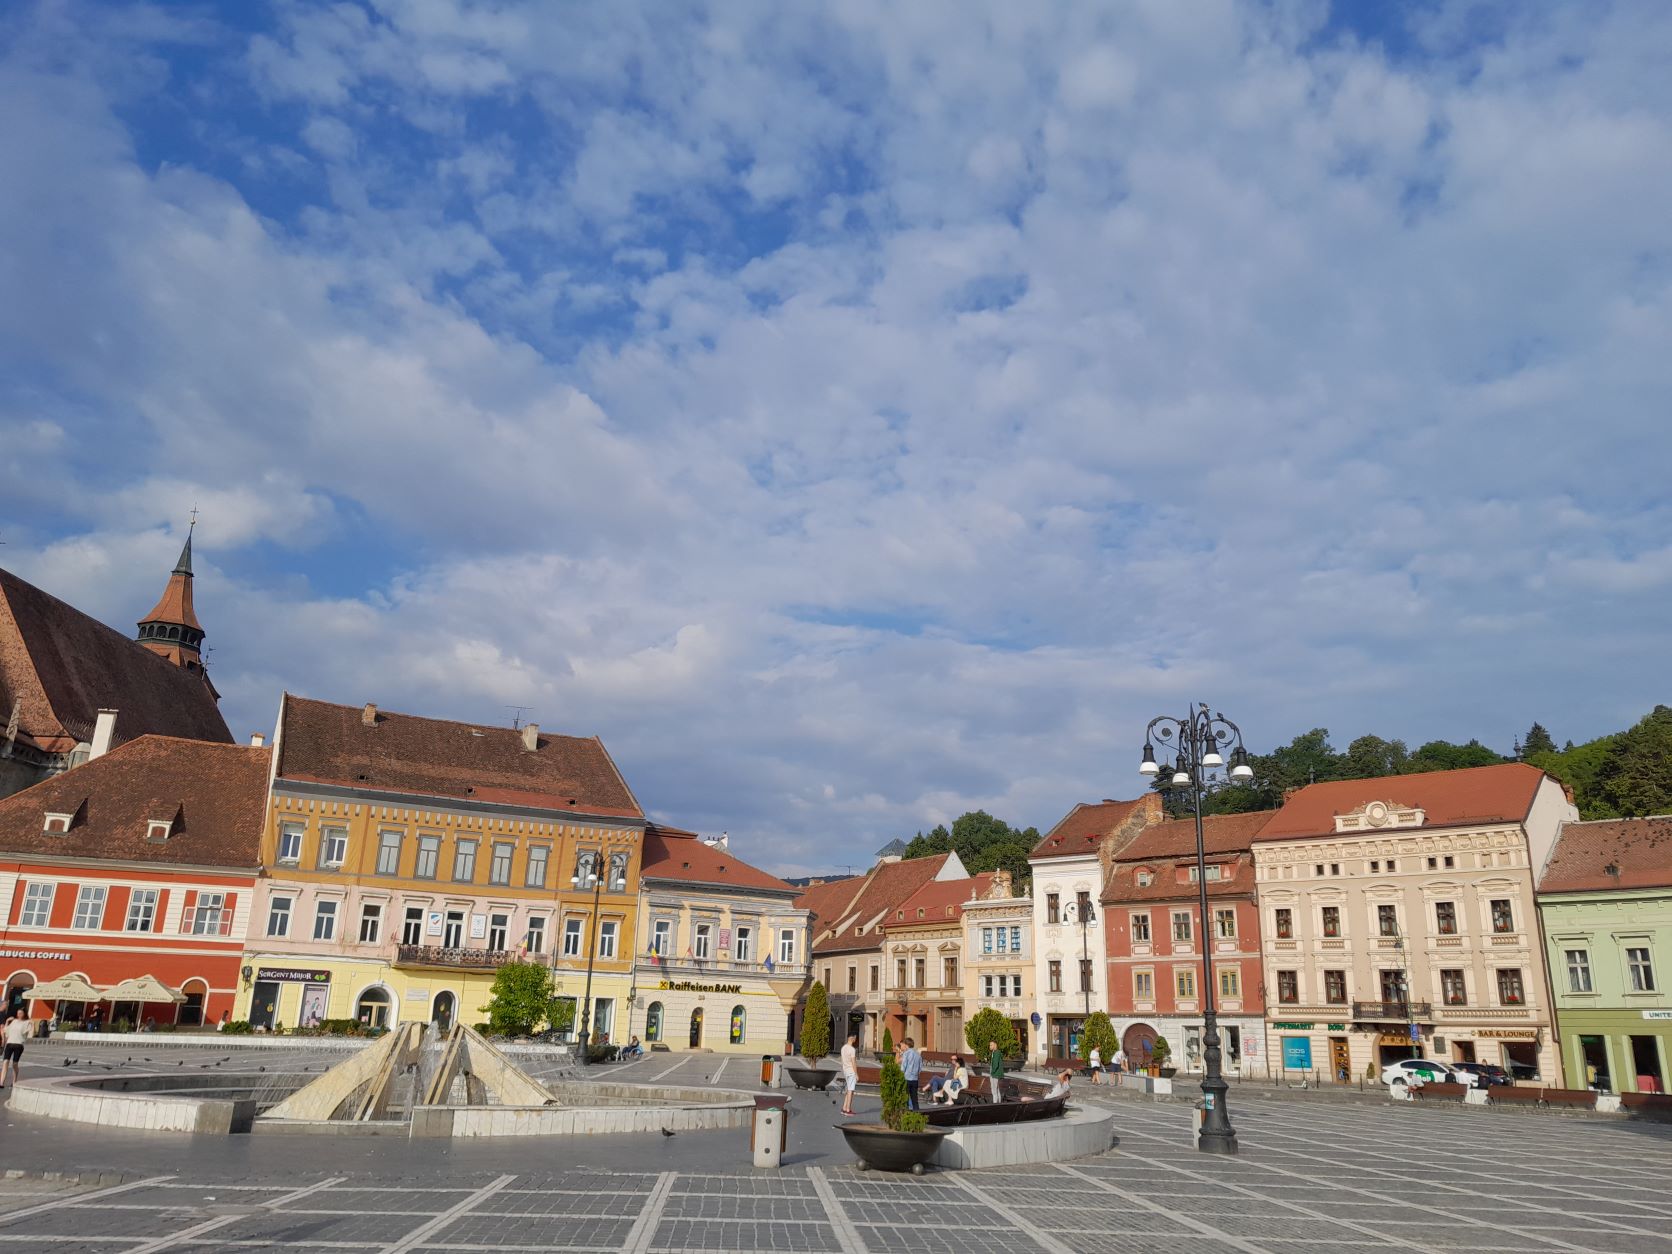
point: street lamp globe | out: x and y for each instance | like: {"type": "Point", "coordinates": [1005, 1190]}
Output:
{"type": "Point", "coordinates": [1148, 766]}
{"type": "Point", "coordinates": [1212, 758]}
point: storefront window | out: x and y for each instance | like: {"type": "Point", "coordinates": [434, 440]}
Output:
{"type": "Point", "coordinates": [653, 1022]}
{"type": "Point", "coordinates": [737, 1023]}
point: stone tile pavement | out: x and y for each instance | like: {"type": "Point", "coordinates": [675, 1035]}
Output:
{"type": "Point", "coordinates": [1310, 1179]}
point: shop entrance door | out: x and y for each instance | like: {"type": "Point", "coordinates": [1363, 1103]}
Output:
{"type": "Point", "coordinates": [316, 1001]}
{"type": "Point", "coordinates": [1340, 1063]}
{"type": "Point", "coordinates": [442, 1011]}
{"type": "Point", "coordinates": [696, 1027]}
{"type": "Point", "coordinates": [1645, 1064]}
{"type": "Point", "coordinates": [1596, 1064]}
{"type": "Point", "coordinates": [264, 1004]}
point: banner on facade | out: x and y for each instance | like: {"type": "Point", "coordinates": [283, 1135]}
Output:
{"type": "Point", "coordinates": [293, 975]}
{"type": "Point", "coordinates": [1297, 1053]}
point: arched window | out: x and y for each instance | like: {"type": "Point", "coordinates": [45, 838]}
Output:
{"type": "Point", "coordinates": [737, 1025]}
{"type": "Point", "coordinates": [372, 1010]}
{"type": "Point", "coordinates": [696, 1028]}
{"type": "Point", "coordinates": [653, 1022]}
{"type": "Point", "coordinates": [190, 1013]}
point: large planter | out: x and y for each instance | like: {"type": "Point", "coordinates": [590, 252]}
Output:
{"type": "Point", "coordinates": [808, 1075]}
{"type": "Point", "coordinates": [879, 1146]}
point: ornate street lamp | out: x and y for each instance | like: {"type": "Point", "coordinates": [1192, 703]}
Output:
{"type": "Point", "coordinates": [1199, 736]}
{"type": "Point", "coordinates": [1085, 914]}
{"type": "Point", "coordinates": [589, 877]}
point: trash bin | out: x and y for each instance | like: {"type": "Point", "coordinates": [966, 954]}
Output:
{"type": "Point", "coordinates": [770, 1065]}
{"type": "Point", "coordinates": [769, 1130]}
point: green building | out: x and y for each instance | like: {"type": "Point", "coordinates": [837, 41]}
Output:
{"type": "Point", "coordinates": [1605, 899]}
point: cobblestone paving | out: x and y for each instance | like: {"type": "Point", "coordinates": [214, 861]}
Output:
{"type": "Point", "coordinates": [1311, 1178]}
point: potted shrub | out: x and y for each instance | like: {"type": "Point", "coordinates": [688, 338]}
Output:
{"type": "Point", "coordinates": [812, 1072]}
{"type": "Point", "coordinates": [887, 1050]}
{"type": "Point", "coordinates": [1100, 1034]}
{"type": "Point", "coordinates": [903, 1141]}
{"type": "Point", "coordinates": [988, 1025]}
{"type": "Point", "coordinates": [1160, 1055]}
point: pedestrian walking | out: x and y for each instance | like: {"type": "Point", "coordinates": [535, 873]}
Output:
{"type": "Point", "coordinates": [995, 1071]}
{"type": "Point", "coordinates": [911, 1064]}
{"type": "Point", "coordinates": [11, 1055]}
{"type": "Point", "coordinates": [850, 1072]}
{"type": "Point", "coordinates": [1094, 1064]}
{"type": "Point", "coordinates": [1119, 1064]}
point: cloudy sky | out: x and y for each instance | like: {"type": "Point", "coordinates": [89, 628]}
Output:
{"type": "Point", "coordinates": [856, 413]}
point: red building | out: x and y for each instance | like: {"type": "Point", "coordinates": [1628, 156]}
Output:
{"type": "Point", "coordinates": [1154, 932]}
{"type": "Point", "coordinates": [139, 863]}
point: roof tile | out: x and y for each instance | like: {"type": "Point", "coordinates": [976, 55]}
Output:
{"type": "Point", "coordinates": [1476, 794]}
{"type": "Point", "coordinates": [1640, 851]}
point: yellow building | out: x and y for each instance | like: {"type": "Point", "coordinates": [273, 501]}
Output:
{"type": "Point", "coordinates": [726, 949]}
{"type": "Point", "coordinates": [405, 859]}
{"type": "Point", "coordinates": [998, 958]}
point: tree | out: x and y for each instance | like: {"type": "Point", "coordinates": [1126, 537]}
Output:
{"type": "Point", "coordinates": [888, 1042]}
{"type": "Point", "coordinates": [520, 999]}
{"type": "Point", "coordinates": [982, 843]}
{"type": "Point", "coordinates": [896, 1095]}
{"type": "Point", "coordinates": [1160, 1052]}
{"type": "Point", "coordinates": [1442, 755]}
{"type": "Point", "coordinates": [989, 1025]}
{"type": "Point", "coordinates": [1100, 1034]}
{"type": "Point", "coordinates": [815, 1023]}
{"type": "Point", "coordinates": [1635, 776]}
{"type": "Point", "coordinates": [1369, 757]}
{"type": "Point", "coordinates": [1536, 741]}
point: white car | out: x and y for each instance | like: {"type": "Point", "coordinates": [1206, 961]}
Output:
{"type": "Point", "coordinates": [1418, 1071]}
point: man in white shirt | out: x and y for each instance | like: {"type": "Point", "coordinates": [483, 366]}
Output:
{"type": "Point", "coordinates": [850, 1072]}
{"type": "Point", "coordinates": [1060, 1088]}
{"type": "Point", "coordinates": [1119, 1064]}
{"type": "Point", "coordinates": [1094, 1064]}
{"type": "Point", "coordinates": [11, 1056]}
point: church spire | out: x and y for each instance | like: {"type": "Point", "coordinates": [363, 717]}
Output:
{"type": "Point", "coordinates": [171, 629]}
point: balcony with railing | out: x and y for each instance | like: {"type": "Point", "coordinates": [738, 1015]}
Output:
{"type": "Point", "coordinates": [451, 958]}
{"type": "Point", "coordinates": [1393, 1011]}
{"type": "Point", "coordinates": [690, 965]}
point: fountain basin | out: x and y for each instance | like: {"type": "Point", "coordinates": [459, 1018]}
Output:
{"type": "Point", "coordinates": [184, 1102]}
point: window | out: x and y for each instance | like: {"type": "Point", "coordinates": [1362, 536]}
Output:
{"type": "Point", "coordinates": [1335, 868]}
{"type": "Point", "coordinates": [661, 937]}
{"type": "Point", "coordinates": [653, 1022]}
{"type": "Point", "coordinates": [1055, 976]}
{"type": "Point", "coordinates": [1375, 866]}
{"type": "Point", "coordinates": [499, 932]}
{"type": "Point", "coordinates": [1143, 985]}
{"type": "Point", "coordinates": [1288, 987]}
{"type": "Point", "coordinates": [1184, 982]}
{"type": "Point", "coordinates": [325, 920]}
{"type": "Point", "coordinates": [1453, 991]}
{"type": "Point", "coordinates": [389, 851]}
{"type": "Point", "coordinates": [1579, 970]}
{"type": "Point", "coordinates": [539, 856]}
{"type": "Point", "coordinates": [429, 857]}
{"type": "Point", "coordinates": [1387, 920]}
{"type": "Point", "coordinates": [1318, 869]}
{"type": "Point", "coordinates": [1225, 924]}
{"type": "Point", "coordinates": [919, 972]}
{"type": "Point", "coordinates": [853, 978]}
{"type": "Point", "coordinates": [986, 940]}
{"type": "Point", "coordinates": [987, 986]}
{"type": "Point", "coordinates": [1510, 991]}
{"type": "Point", "coordinates": [412, 928]}
{"type": "Point", "coordinates": [786, 945]}
{"type": "Point", "coordinates": [949, 973]}
{"type": "Point", "coordinates": [1085, 975]}
{"type": "Point", "coordinates": [1053, 908]}
{"type": "Point", "coordinates": [1503, 918]}
{"type": "Point", "coordinates": [1335, 987]}
{"type": "Point", "coordinates": [1015, 938]}
{"type": "Point", "coordinates": [499, 868]}
{"type": "Point", "coordinates": [1448, 861]}
{"type": "Point", "coordinates": [1284, 922]}
{"type": "Point", "coordinates": [1003, 941]}
{"type": "Point", "coordinates": [1393, 864]}
{"type": "Point", "coordinates": [1214, 872]}
{"type": "Point", "coordinates": [1181, 927]}
{"type": "Point", "coordinates": [1331, 920]}
{"type": "Point", "coordinates": [452, 930]}
{"type": "Point", "coordinates": [333, 846]}
{"type": "Point", "coordinates": [1230, 982]}
{"type": "Point", "coordinates": [1433, 863]}
{"type": "Point", "coordinates": [743, 944]}
{"type": "Point", "coordinates": [1642, 970]}
{"type": "Point", "coordinates": [464, 861]}
{"type": "Point", "coordinates": [1445, 917]}
{"type": "Point", "coordinates": [618, 873]}
{"type": "Point", "coordinates": [607, 935]}
{"type": "Point", "coordinates": [89, 906]}
{"type": "Point", "coordinates": [1140, 929]}
{"type": "Point", "coordinates": [207, 917]}
{"type": "Point", "coordinates": [290, 843]}
{"type": "Point", "coordinates": [1082, 906]}
{"type": "Point", "coordinates": [572, 937]}
{"type": "Point", "coordinates": [1393, 986]}
{"type": "Point", "coordinates": [899, 973]}
{"type": "Point", "coordinates": [142, 910]}
{"type": "Point", "coordinates": [535, 939]}
{"type": "Point", "coordinates": [739, 1020]}
{"type": "Point", "coordinates": [1143, 879]}
{"type": "Point", "coordinates": [371, 922]}
{"type": "Point", "coordinates": [703, 945]}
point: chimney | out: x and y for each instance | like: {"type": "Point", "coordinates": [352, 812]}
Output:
{"type": "Point", "coordinates": [368, 716]}
{"type": "Point", "coordinates": [257, 739]}
{"type": "Point", "coordinates": [104, 731]}
{"type": "Point", "coordinates": [531, 736]}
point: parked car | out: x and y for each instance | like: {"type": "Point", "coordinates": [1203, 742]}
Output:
{"type": "Point", "coordinates": [1483, 1075]}
{"type": "Point", "coordinates": [1422, 1070]}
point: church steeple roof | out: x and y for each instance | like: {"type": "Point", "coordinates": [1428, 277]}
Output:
{"type": "Point", "coordinates": [171, 629]}
{"type": "Point", "coordinates": [184, 565]}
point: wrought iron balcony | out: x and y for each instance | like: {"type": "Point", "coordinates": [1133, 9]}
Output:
{"type": "Point", "coordinates": [1393, 1011]}
{"type": "Point", "coordinates": [686, 966]}
{"type": "Point", "coordinates": [454, 959]}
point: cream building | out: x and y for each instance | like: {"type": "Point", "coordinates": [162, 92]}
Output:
{"type": "Point", "coordinates": [725, 949]}
{"type": "Point", "coordinates": [998, 957]}
{"type": "Point", "coordinates": [1398, 920]}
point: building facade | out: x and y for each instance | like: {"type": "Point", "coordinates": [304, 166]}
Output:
{"type": "Point", "coordinates": [725, 949]}
{"type": "Point", "coordinates": [406, 859]}
{"type": "Point", "coordinates": [998, 957]}
{"type": "Point", "coordinates": [1605, 897]}
{"type": "Point", "coordinates": [1156, 936]}
{"type": "Point", "coordinates": [1398, 919]}
{"type": "Point", "coordinates": [923, 963]}
{"type": "Point", "coordinates": [1070, 975]}
{"type": "Point", "coordinates": [139, 866]}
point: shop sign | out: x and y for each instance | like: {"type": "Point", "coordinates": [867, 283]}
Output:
{"type": "Point", "coordinates": [1336, 1027]}
{"type": "Point", "coordinates": [433, 924]}
{"type": "Point", "coordinates": [478, 927]}
{"type": "Point", "coordinates": [62, 955]}
{"type": "Point", "coordinates": [293, 975]}
{"type": "Point", "coordinates": [690, 986]}
{"type": "Point", "coordinates": [1297, 1053]}
{"type": "Point", "coordinates": [1647, 1014]}
{"type": "Point", "coordinates": [1292, 1027]}
{"type": "Point", "coordinates": [1507, 1034]}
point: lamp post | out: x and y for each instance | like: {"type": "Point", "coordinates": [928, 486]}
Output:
{"type": "Point", "coordinates": [1199, 737]}
{"type": "Point", "coordinates": [1084, 914]}
{"type": "Point", "coordinates": [591, 878]}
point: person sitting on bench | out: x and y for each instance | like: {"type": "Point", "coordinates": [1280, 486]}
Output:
{"type": "Point", "coordinates": [945, 1089]}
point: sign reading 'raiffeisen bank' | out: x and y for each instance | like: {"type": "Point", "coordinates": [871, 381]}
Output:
{"type": "Point", "coordinates": [687, 986]}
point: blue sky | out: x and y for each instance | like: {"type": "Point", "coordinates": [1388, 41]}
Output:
{"type": "Point", "coordinates": [859, 413]}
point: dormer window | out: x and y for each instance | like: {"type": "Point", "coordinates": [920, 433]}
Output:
{"type": "Point", "coordinates": [158, 829]}
{"type": "Point", "coordinates": [58, 824]}
{"type": "Point", "coordinates": [1145, 879]}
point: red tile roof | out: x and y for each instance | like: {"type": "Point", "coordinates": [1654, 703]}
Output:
{"type": "Point", "coordinates": [884, 888]}
{"type": "Point", "coordinates": [1082, 829]}
{"type": "Point", "coordinates": [432, 757]}
{"type": "Point", "coordinates": [63, 667]}
{"type": "Point", "coordinates": [1640, 850]}
{"type": "Point", "coordinates": [672, 854]}
{"type": "Point", "coordinates": [215, 797]}
{"type": "Point", "coordinates": [1122, 884]}
{"type": "Point", "coordinates": [1175, 838]}
{"type": "Point", "coordinates": [934, 898]}
{"type": "Point", "coordinates": [1477, 794]}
